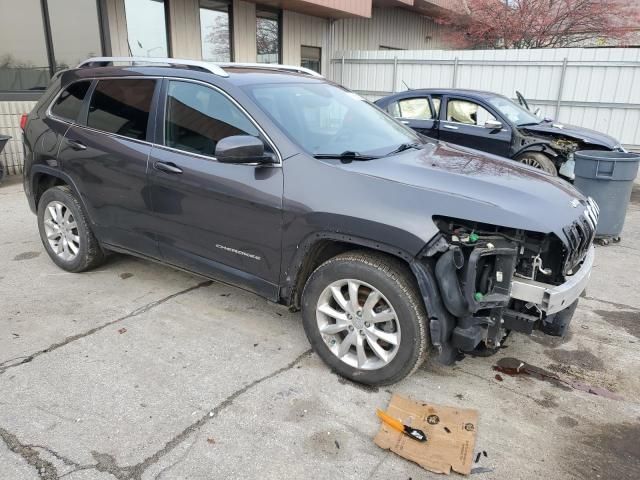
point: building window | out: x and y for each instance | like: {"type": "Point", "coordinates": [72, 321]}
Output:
{"type": "Point", "coordinates": [24, 64]}
{"type": "Point", "coordinates": [75, 31]}
{"type": "Point", "coordinates": [310, 57]}
{"type": "Point", "coordinates": [267, 36]}
{"type": "Point", "coordinates": [215, 32]}
{"type": "Point", "coordinates": [146, 28]}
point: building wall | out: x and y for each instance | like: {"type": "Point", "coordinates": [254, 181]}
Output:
{"type": "Point", "coordinates": [298, 30]}
{"type": "Point", "coordinates": [184, 30]}
{"type": "Point", "coordinates": [388, 27]}
{"type": "Point", "coordinates": [244, 31]}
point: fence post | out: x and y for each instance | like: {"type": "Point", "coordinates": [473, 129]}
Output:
{"type": "Point", "coordinates": [342, 70]}
{"type": "Point", "coordinates": [395, 75]}
{"type": "Point", "coordinates": [561, 87]}
{"type": "Point", "coordinates": [454, 80]}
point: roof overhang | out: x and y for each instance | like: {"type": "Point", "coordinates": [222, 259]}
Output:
{"type": "Point", "coordinates": [430, 8]}
{"type": "Point", "coordinates": [325, 8]}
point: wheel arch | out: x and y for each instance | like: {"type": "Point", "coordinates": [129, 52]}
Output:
{"type": "Point", "coordinates": [43, 178]}
{"type": "Point", "coordinates": [319, 247]}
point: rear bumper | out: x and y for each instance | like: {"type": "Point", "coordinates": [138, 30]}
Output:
{"type": "Point", "coordinates": [554, 298]}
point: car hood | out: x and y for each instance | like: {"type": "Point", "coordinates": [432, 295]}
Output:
{"type": "Point", "coordinates": [578, 133]}
{"type": "Point", "coordinates": [467, 184]}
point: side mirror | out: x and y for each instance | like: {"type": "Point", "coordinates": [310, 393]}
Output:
{"type": "Point", "coordinates": [493, 125]}
{"type": "Point", "coordinates": [241, 149]}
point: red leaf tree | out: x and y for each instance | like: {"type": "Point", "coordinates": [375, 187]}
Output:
{"type": "Point", "coordinates": [542, 23]}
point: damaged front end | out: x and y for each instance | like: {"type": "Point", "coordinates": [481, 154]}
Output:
{"type": "Point", "coordinates": [493, 280]}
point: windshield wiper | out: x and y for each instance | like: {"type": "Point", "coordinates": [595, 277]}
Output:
{"type": "Point", "coordinates": [406, 146]}
{"type": "Point", "coordinates": [346, 155]}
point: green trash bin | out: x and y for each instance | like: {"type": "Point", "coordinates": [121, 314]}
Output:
{"type": "Point", "coordinates": [607, 177]}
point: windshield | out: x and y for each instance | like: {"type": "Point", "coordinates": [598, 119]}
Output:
{"type": "Point", "coordinates": [325, 119]}
{"type": "Point", "coordinates": [513, 111]}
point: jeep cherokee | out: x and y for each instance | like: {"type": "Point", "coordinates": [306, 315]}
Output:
{"type": "Point", "coordinates": [273, 179]}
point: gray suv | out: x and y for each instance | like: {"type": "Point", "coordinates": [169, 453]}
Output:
{"type": "Point", "coordinates": [271, 178]}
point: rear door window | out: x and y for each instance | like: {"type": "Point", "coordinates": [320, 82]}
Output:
{"type": "Point", "coordinates": [122, 106]}
{"type": "Point", "coordinates": [415, 108]}
{"type": "Point", "coordinates": [69, 103]}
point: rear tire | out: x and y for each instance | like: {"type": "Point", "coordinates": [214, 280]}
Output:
{"type": "Point", "coordinates": [65, 231]}
{"type": "Point", "coordinates": [538, 160]}
{"type": "Point", "coordinates": [379, 338]}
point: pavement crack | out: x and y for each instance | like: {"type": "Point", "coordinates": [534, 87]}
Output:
{"type": "Point", "coordinates": [106, 462]}
{"type": "Point", "coordinates": [78, 336]}
{"type": "Point", "coordinates": [46, 470]}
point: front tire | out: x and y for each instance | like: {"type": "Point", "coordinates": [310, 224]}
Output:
{"type": "Point", "coordinates": [538, 160]}
{"type": "Point", "coordinates": [363, 316]}
{"type": "Point", "coordinates": [65, 232]}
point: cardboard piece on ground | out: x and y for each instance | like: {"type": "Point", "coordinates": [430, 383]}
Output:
{"type": "Point", "coordinates": [443, 450]}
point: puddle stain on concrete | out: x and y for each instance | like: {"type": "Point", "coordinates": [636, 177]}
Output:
{"type": "Point", "coordinates": [25, 256]}
{"type": "Point", "coordinates": [567, 422]}
{"type": "Point", "coordinates": [627, 319]}
{"type": "Point", "coordinates": [607, 451]}
{"type": "Point", "coordinates": [126, 275]}
{"type": "Point", "coordinates": [514, 367]}
{"type": "Point", "coordinates": [578, 358]}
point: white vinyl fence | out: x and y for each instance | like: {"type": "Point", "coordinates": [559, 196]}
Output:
{"type": "Point", "coordinates": [597, 88]}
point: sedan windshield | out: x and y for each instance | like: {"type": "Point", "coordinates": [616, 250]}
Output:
{"type": "Point", "coordinates": [513, 111]}
{"type": "Point", "coordinates": [327, 120]}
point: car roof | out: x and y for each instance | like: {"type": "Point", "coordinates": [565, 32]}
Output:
{"type": "Point", "coordinates": [478, 94]}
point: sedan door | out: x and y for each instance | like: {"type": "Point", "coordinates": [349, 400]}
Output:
{"type": "Point", "coordinates": [218, 219]}
{"type": "Point", "coordinates": [106, 154]}
{"type": "Point", "coordinates": [416, 112]}
{"type": "Point", "coordinates": [466, 122]}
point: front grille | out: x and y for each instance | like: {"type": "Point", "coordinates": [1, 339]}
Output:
{"type": "Point", "coordinates": [580, 235]}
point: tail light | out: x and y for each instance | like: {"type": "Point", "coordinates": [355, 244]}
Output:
{"type": "Point", "coordinates": [23, 121]}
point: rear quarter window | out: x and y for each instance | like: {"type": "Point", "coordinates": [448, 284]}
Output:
{"type": "Point", "coordinates": [69, 102]}
{"type": "Point", "coordinates": [122, 106]}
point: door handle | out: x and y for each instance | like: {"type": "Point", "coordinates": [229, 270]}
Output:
{"type": "Point", "coordinates": [76, 145]}
{"type": "Point", "coordinates": [406, 122]}
{"type": "Point", "coordinates": [167, 167]}
{"type": "Point", "coordinates": [450, 127]}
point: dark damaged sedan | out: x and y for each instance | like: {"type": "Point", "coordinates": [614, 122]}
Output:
{"type": "Point", "coordinates": [493, 123]}
{"type": "Point", "coordinates": [277, 181]}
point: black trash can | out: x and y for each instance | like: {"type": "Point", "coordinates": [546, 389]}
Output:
{"type": "Point", "coordinates": [3, 141]}
{"type": "Point", "coordinates": [607, 177]}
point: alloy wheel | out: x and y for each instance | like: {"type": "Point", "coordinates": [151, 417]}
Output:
{"type": "Point", "coordinates": [61, 230]}
{"type": "Point", "coordinates": [358, 324]}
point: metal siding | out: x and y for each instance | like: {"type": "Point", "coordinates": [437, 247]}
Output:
{"type": "Point", "coordinates": [10, 112]}
{"type": "Point", "coordinates": [598, 90]}
{"type": "Point", "coordinates": [184, 18]}
{"type": "Point", "coordinates": [298, 30]}
{"type": "Point", "coordinates": [117, 22]}
{"type": "Point", "coordinates": [244, 31]}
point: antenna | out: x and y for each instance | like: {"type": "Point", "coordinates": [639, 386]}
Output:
{"type": "Point", "coordinates": [405, 84]}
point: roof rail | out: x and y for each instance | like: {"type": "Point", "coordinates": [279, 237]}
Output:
{"type": "Point", "coordinates": [104, 61]}
{"type": "Point", "coordinates": [212, 67]}
{"type": "Point", "coordinates": [270, 66]}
